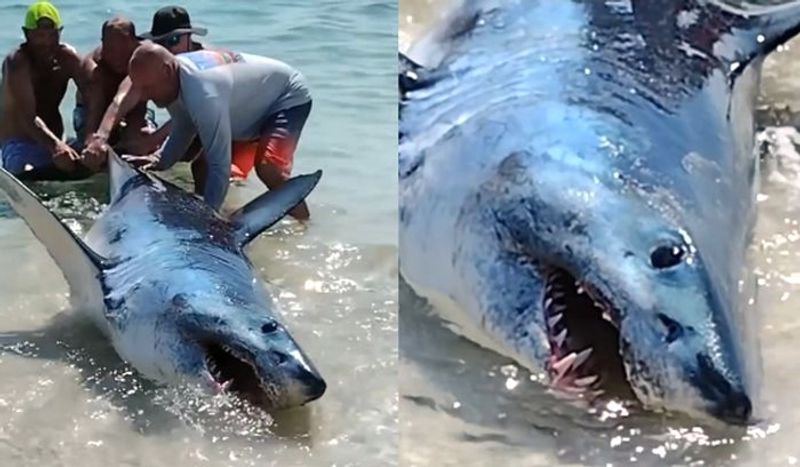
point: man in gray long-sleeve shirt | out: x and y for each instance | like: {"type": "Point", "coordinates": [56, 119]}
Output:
{"type": "Point", "coordinates": [247, 110]}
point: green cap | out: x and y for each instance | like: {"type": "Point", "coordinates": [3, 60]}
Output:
{"type": "Point", "coordinates": [39, 11]}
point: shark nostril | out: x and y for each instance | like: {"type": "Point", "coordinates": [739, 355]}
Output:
{"type": "Point", "coordinates": [279, 357]}
{"type": "Point", "coordinates": [672, 329]}
{"type": "Point", "coordinates": [269, 327]}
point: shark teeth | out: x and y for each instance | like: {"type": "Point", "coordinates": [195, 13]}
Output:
{"type": "Point", "coordinates": [573, 360]}
{"type": "Point", "coordinates": [586, 381]}
{"type": "Point", "coordinates": [561, 337]}
{"type": "Point", "coordinates": [553, 320]}
{"type": "Point", "coordinates": [607, 316]}
{"type": "Point", "coordinates": [564, 364]}
{"type": "Point", "coordinates": [581, 357]}
{"type": "Point", "coordinates": [215, 375]}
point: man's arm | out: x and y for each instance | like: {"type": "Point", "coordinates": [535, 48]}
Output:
{"type": "Point", "coordinates": [126, 99]}
{"type": "Point", "coordinates": [94, 97]}
{"type": "Point", "coordinates": [144, 142]}
{"type": "Point", "coordinates": [80, 68]}
{"type": "Point", "coordinates": [180, 137]}
{"type": "Point", "coordinates": [214, 129]}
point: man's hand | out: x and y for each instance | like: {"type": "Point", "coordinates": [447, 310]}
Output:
{"type": "Point", "coordinates": [144, 141]}
{"type": "Point", "coordinates": [146, 162]}
{"type": "Point", "coordinates": [95, 153]}
{"type": "Point", "coordinates": [64, 157]}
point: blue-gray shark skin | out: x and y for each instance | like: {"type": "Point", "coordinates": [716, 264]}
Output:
{"type": "Point", "coordinates": [577, 190]}
{"type": "Point", "coordinates": [166, 279]}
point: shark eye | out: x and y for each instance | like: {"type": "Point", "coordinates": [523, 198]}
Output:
{"type": "Point", "coordinates": [269, 327]}
{"type": "Point", "coordinates": [667, 256]}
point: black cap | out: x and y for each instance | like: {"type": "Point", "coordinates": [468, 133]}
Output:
{"type": "Point", "coordinates": [172, 20]}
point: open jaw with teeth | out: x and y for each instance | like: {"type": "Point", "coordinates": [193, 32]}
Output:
{"type": "Point", "coordinates": [584, 338]}
{"type": "Point", "coordinates": [233, 372]}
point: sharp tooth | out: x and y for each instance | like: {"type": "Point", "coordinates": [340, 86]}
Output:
{"type": "Point", "coordinates": [586, 381]}
{"type": "Point", "coordinates": [564, 364]}
{"type": "Point", "coordinates": [226, 385]}
{"type": "Point", "coordinates": [572, 389]}
{"type": "Point", "coordinates": [561, 337]}
{"type": "Point", "coordinates": [581, 358]}
{"type": "Point", "coordinates": [548, 302]}
{"type": "Point", "coordinates": [552, 321]}
{"type": "Point", "coordinates": [580, 290]}
{"type": "Point", "coordinates": [607, 316]}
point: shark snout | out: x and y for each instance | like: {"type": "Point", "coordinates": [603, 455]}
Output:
{"type": "Point", "coordinates": [312, 385]}
{"type": "Point", "coordinates": [723, 392]}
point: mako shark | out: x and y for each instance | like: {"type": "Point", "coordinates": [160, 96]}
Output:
{"type": "Point", "coordinates": [165, 278]}
{"type": "Point", "coordinates": [577, 190]}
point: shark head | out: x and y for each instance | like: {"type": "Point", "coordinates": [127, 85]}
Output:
{"type": "Point", "coordinates": [237, 349]}
{"type": "Point", "coordinates": [607, 289]}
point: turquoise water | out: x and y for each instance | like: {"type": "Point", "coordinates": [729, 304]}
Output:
{"type": "Point", "coordinates": [66, 399]}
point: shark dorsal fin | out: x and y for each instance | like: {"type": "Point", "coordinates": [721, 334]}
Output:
{"type": "Point", "coordinates": [264, 211]}
{"type": "Point", "coordinates": [119, 174]}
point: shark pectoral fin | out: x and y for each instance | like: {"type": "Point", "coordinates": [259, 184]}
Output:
{"type": "Point", "coordinates": [119, 173]}
{"type": "Point", "coordinates": [79, 264]}
{"type": "Point", "coordinates": [264, 211]}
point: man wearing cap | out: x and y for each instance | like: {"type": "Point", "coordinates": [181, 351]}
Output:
{"type": "Point", "coordinates": [34, 81]}
{"type": "Point", "coordinates": [172, 28]}
{"type": "Point", "coordinates": [247, 110]}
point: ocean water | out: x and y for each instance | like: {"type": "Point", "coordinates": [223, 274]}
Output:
{"type": "Point", "coordinates": [462, 405]}
{"type": "Point", "coordinates": [67, 399]}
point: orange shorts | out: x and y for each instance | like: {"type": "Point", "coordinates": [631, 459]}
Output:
{"type": "Point", "coordinates": [285, 128]}
{"type": "Point", "coordinates": [279, 152]}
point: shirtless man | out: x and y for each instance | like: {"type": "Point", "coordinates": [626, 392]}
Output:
{"type": "Point", "coordinates": [109, 67]}
{"type": "Point", "coordinates": [34, 82]}
{"type": "Point", "coordinates": [172, 28]}
{"type": "Point", "coordinates": [247, 110]}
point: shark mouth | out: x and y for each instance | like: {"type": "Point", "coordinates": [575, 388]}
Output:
{"type": "Point", "coordinates": [583, 334]}
{"type": "Point", "coordinates": [233, 372]}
